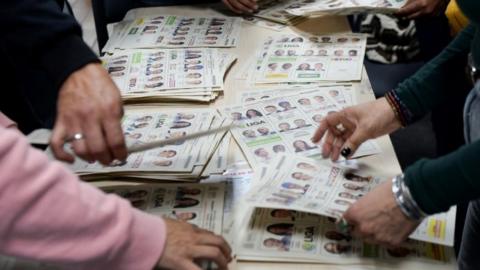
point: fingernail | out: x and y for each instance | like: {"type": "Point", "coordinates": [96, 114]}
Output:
{"type": "Point", "coordinates": [346, 152]}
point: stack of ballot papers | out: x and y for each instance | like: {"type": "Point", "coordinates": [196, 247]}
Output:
{"type": "Point", "coordinates": [259, 22]}
{"type": "Point", "coordinates": [342, 7]}
{"type": "Point", "coordinates": [293, 11]}
{"type": "Point", "coordinates": [310, 59]}
{"type": "Point", "coordinates": [276, 11]}
{"type": "Point", "coordinates": [176, 75]}
{"type": "Point", "coordinates": [294, 207]}
{"type": "Point", "coordinates": [182, 160]}
{"type": "Point", "coordinates": [283, 121]}
{"type": "Point", "coordinates": [171, 31]}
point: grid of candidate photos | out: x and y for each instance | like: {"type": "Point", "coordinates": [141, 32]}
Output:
{"type": "Point", "coordinates": [344, 95]}
{"type": "Point", "coordinates": [314, 187]}
{"type": "Point", "coordinates": [285, 124]}
{"type": "Point", "coordinates": [168, 75]}
{"type": "Point", "coordinates": [343, 7]}
{"type": "Point", "coordinates": [198, 204]}
{"type": "Point", "coordinates": [171, 31]}
{"type": "Point", "coordinates": [309, 186]}
{"type": "Point", "coordinates": [185, 160]}
{"type": "Point", "coordinates": [280, 235]}
{"type": "Point", "coordinates": [276, 11]}
{"type": "Point", "coordinates": [294, 59]}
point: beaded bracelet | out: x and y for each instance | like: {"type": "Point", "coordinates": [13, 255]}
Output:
{"type": "Point", "coordinates": [396, 108]}
{"type": "Point", "coordinates": [401, 111]}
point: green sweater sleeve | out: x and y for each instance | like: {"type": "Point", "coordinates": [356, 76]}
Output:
{"type": "Point", "coordinates": [440, 183]}
{"type": "Point", "coordinates": [429, 86]}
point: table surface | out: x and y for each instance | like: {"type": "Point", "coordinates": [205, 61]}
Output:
{"type": "Point", "coordinates": [384, 164]}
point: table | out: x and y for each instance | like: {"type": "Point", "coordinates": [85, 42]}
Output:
{"type": "Point", "coordinates": [384, 164]}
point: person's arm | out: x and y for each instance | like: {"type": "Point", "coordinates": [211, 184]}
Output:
{"type": "Point", "coordinates": [37, 33]}
{"type": "Point", "coordinates": [49, 215]}
{"type": "Point", "coordinates": [381, 217]}
{"type": "Point", "coordinates": [41, 33]}
{"type": "Point", "coordinates": [419, 8]}
{"type": "Point", "coordinates": [440, 183]}
{"type": "Point", "coordinates": [426, 89]}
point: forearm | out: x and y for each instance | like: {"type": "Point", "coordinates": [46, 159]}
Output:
{"type": "Point", "coordinates": [431, 85]}
{"type": "Point", "coordinates": [440, 183]}
{"type": "Point", "coordinates": [49, 215]}
{"type": "Point", "coordinates": [37, 33]}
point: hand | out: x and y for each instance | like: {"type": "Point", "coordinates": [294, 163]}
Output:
{"type": "Point", "coordinates": [359, 123]}
{"type": "Point", "coordinates": [241, 6]}
{"type": "Point", "coordinates": [417, 8]}
{"type": "Point", "coordinates": [89, 103]}
{"type": "Point", "coordinates": [377, 219]}
{"type": "Point", "coordinates": [187, 244]}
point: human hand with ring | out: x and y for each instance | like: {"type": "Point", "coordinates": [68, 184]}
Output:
{"type": "Point", "coordinates": [346, 130]}
{"type": "Point", "coordinates": [89, 111]}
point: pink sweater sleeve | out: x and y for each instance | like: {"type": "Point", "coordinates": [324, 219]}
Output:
{"type": "Point", "coordinates": [48, 214]}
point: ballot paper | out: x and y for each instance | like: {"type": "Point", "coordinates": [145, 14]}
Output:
{"type": "Point", "coordinates": [183, 161]}
{"type": "Point", "coordinates": [306, 185]}
{"type": "Point", "coordinates": [294, 59]}
{"type": "Point", "coordinates": [278, 235]}
{"type": "Point", "coordinates": [342, 7]}
{"type": "Point", "coordinates": [198, 204]}
{"type": "Point", "coordinates": [293, 209]}
{"type": "Point", "coordinates": [171, 31]}
{"type": "Point", "coordinates": [182, 74]}
{"type": "Point", "coordinates": [285, 124]}
{"type": "Point", "coordinates": [344, 95]}
{"type": "Point", "coordinates": [271, 25]}
{"type": "Point", "coordinates": [275, 10]}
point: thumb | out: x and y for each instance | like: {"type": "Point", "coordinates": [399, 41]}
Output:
{"type": "Point", "coordinates": [408, 9]}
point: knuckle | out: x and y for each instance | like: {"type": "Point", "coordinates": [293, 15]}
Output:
{"type": "Point", "coordinates": [118, 144]}
{"type": "Point", "coordinates": [80, 151]}
{"type": "Point", "coordinates": [217, 253]}
{"type": "Point", "coordinates": [56, 142]}
{"type": "Point", "coordinates": [98, 152]}
{"type": "Point", "coordinates": [85, 111]}
{"type": "Point", "coordinates": [364, 229]}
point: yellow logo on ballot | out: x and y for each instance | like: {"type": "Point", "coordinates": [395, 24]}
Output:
{"type": "Point", "coordinates": [436, 228]}
{"type": "Point", "coordinates": [277, 75]}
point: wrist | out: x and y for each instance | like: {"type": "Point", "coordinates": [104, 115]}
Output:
{"type": "Point", "coordinates": [400, 110]}
{"type": "Point", "coordinates": [404, 199]}
{"type": "Point", "coordinates": [391, 119]}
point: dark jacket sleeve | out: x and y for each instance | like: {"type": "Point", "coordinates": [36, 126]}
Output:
{"type": "Point", "coordinates": [38, 32]}
{"type": "Point", "coordinates": [437, 184]}
{"type": "Point", "coordinates": [430, 86]}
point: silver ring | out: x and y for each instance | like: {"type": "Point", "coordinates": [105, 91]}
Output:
{"type": "Point", "coordinates": [340, 128]}
{"type": "Point", "coordinates": [75, 137]}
